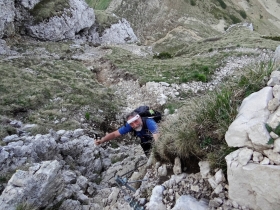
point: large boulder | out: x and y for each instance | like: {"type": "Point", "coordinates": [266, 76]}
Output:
{"type": "Point", "coordinates": [37, 187]}
{"type": "Point", "coordinates": [66, 25]}
{"type": "Point", "coordinates": [248, 129]}
{"type": "Point", "coordinates": [109, 28]}
{"type": "Point", "coordinates": [7, 15]}
{"type": "Point", "coordinates": [253, 185]}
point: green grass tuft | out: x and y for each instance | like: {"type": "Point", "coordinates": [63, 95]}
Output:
{"type": "Point", "coordinates": [222, 4]}
{"type": "Point", "coordinates": [163, 55]}
{"type": "Point", "coordinates": [98, 4]}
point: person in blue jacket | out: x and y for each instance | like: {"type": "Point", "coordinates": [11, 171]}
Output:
{"type": "Point", "coordinates": [145, 128]}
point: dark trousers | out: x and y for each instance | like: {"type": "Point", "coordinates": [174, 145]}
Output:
{"type": "Point", "coordinates": [146, 146]}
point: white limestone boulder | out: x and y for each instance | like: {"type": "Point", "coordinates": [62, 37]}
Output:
{"type": "Point", "coordinates": [253, 185]}
{"type": "Point", "coordinates": [187, 202]}
{"type": "Point", "coordinates": [248, 129]}
{"type": "Point", "coordinates": [78, 17]}
{"type": "Point", "coordinates": [37, 187]}
{"type": "Point", "coordinates": [156, 199]}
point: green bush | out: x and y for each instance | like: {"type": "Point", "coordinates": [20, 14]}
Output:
{"type": "Point", "coordinates": [275, 38]}
{"type": "Point", "coordinates": [243, 14]}
{"type": "Point", "coordinates": [98, 4]}
{"type": "Point", "coordinates": [87, 115]}
{"type": "Point", "coordinates": [234, 19]}
{"type": "Point", "coordinates": [163, 55]}
{"type": "Point", "coordinates": [222, 3]}
{"type": "Point", "coordinates": [200, 77]}
{"type": "Point", "coordinates": [193, 2]}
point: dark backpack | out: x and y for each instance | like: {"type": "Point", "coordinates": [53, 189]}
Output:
{"type": "Point", "coordinates": [146, 112]}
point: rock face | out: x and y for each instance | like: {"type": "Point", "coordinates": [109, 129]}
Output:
{"type": "Point", "coordinates": [37, 187]}
{"type": "Point", "coordinates": [248, 129]}
{"type": "Point", "coordinates": [76, 22]}
{"type": "Point", "coordinates": [78, 17]}
{"type": "Point", "coordinates": [253, 185]}
{"type": "Point", "coordinates": [254, 169]}
{"type": "Point", "coordinates": [119, 33]}
{"type": "Point", "coordinates": [7, 15]}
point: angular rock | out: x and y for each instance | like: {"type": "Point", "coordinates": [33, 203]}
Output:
{"type": "Point", "coordinates": [255, 186]}
{"type": "Point", "coordinates": [248, 128]}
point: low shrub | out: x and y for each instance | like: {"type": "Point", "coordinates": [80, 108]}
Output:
{"type": "Point", "coordinates": [274, 38]}
{"type": "Point", "coordinates": [222, 3]}
{"type": "Point", "coordinates": [193, 2]}
{"type": "Point", "coordinates": [234, 19]}
{"type": "Point", "coordinates": [98, 4]}
{"type": "Point", "coordinates": [163, 55]}
{"type": "Point", "coordinates": [243, 14]}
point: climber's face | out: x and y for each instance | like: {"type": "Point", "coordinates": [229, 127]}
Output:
{"type": "Point", "coordinates": [135, 122]}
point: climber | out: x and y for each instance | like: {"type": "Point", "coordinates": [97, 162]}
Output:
{"type": "Point", "coordinates": [144, 128]}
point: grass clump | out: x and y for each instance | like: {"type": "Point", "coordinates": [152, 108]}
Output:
{"type": "Point", "coordinates": [200, 125]}
{"type": "Point", "coordinates": [274, 38]}
{"type": "Point", "coordinates": [276, 131]}
{"type": "Point", "coordinates": [243, 14]}
{"type": "Point", "coordinates": [25, 206]}
{"type": "Point", "coordinates": [193, 2]}
{"type": "Point", "coordinates": [222, 4]}
{"type": "Point", "coordinates": [46, 9]}
{"type": "Point", "coordinates": [163, 55]}
{"type": "Point", "coordinates": [98, 4]}
{"type": "Point", "coordinates": [234, 19]}
{"type": "Point", "coordinates": [197, 72]}
{"type": "Point", "coordinates": [51, 93]}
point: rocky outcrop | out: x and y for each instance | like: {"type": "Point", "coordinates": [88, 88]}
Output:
{"type": "Point", "coordinates": [78, 17]}
{"type": "Point", "coordinates": [253, 182]}
{"type": "Point", "coordinates": [60, 167]}
{"type": "Point", "coordinates": [36, 187]}
{"type": "Point", "coordinates": [7, 15]}
{"type": "Point", "coordinates": [76, 22]}
{"type": "Point", "coordinates": [248, 129]}
{"type": "Point", "coordinates": [254, 169]}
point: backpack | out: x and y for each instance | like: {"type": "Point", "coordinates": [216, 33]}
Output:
{"type": "Point", "coordinates": [146, 112]}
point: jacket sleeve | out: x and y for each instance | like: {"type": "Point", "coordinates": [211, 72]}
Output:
{"type": "Point", "coordinates": [125, 129]}
{"type": "Point", "coordinates": [152, 126]}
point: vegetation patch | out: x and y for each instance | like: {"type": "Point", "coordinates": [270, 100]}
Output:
{"type": "Point", "coordinates": [98, 4]}
{"type": "Point", "coordinates": [163, 55]}
{"type": "Point", "coordinates": [234, 19]}
{"type": "Point", "coordinates": [46, 9]}
{"type": "Point", "coordinates": [243, 14]}
{"type": "Point", "coordinates": [193, 2]}
{"type": "Point", "coordinates": [222, 4]}
{"type": "Point", "coordinates": [25, 206]}
{"type": "Point", "coordinates": [51, 93]}
{"type": "Point", "coordinates": [274, 38]}
{"type": "Point", "coordinates": [104, 20]}
{"type": "Point", "coordinates": [201, 133]}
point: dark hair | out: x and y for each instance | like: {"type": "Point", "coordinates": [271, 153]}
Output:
{"type": "Point", "coordinates": [131, 114]}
